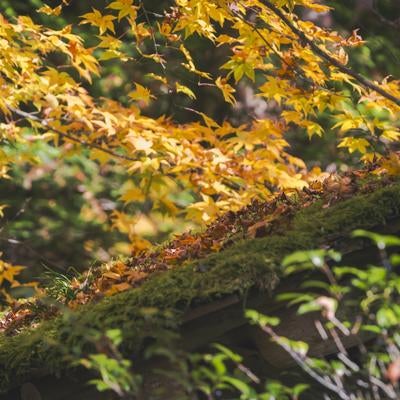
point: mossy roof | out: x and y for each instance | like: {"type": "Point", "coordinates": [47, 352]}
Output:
{"type": "Point", "coordinates": [160, 302]}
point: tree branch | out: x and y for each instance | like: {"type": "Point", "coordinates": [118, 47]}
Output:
{"type": "Point", "coordinates": [325, 56]}
{"type": "Point", "coordinates": [64, 135]}
{"type": "Point", "coordinates": [300, 361]}
{"type": "Point", "coordinates": [283, 61]}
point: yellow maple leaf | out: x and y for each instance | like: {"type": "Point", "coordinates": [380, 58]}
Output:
{"type": "Point", "coordinates": [50, 11]}
{"type": "Point", "coordinates": [347, 122]}
{"type": "Point", "coordinates": [156, 77]}
{"type": "Point", "coordinates": [391, 135]}
{"type": "Point", "coordinates": [204, 211]}
{"type": "Point", "coordinates": [141, 93]}
{"type": "Point", "coordinates": [2, 207]}
{"type": "Point", "coordinates": [125, 8]}
{"type": "Point", "coordinates": [132, 195]}
{"type": "Point", "coordinates": [313, 129]}
{"type": "Point", "coordinates": [275, 88]}
{"type": "Point", "coordinates": [288, 3]}
{"type": "Point", "coordinates": [8, 272]}
{"type": "Point", "coordinates": [354, 144]}
{"type": "Point", "coordinates": [391, 164]}
{"type": "Point", "coordinates": [101, 156]}
{"type": "Point", "coordinates": [190, 64]}
{"type": "Point", "coordinates": [141, 144]}
{"type": "Point", "coordinates": [109, 42]}
{"type": "Point", "coordinates": [97, 19]}
{"type": "Point", "coordinates": [185, 90]}
{"type": "Point", "coordinates": [226, 90]}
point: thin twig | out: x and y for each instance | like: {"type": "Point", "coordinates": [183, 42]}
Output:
{"type": "Point", "coordinates": [45, 124]}
{"type": "Point", "coordinates": [264, 39]}
{"type": "Point", "coordinates": [297, 71]}
{"type": "Point", "coordinates": [395, 24]}
{"type": "Point", "coordinates": [306, 368]}
{"type": "Point", "coordinates": [153, 38]}
{"type": "Point", "coordinates": [322, 54]}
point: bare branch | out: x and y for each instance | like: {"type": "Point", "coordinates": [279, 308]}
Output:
{"type": "Point", "coordinates": [322, 380]}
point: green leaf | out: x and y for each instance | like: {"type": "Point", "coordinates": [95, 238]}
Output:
{"type": "Point", "coordinates": [227, 352]}
{"type": "Point", "coordinates": [296, 345]}
{"type": "Point", "coordinates": [295, 298]}
{"type": "Point", "coordinates": [218, 363]}
{"type": "Point", "coordinates": [382, 241]}
{"type": "Point", "coordinates": [308, 307]}
{"type": "Point", "coordinates": [395, 259]}
{"type": "Point", "coordinates": [341, 271]}
{"type": "Point", "coordinates": [185, 90]}
{"type": "Point", "coordinates": [256, 318]}
{"type": "Point", "coordinates": [115, 335]}
{"type": "Point", "coordinates": [387, 318]}
{"type": "Point", "coordinates": [300, 260]}
{"type": "Point", "coordinates": [371, 328]}
{"type": "Point", "coordinates": [100, 385]}
{"type": "Point", "coordinates": [315, 284]}
{"type": "Point", "coordinates": [299, 389]}
{"type": "Point", "coordinates": [238, 384]}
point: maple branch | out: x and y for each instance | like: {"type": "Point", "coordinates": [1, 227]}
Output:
{"type": "Point", "coordinates": [324, 55]}
{"type": "Point", "coordinates": [264, 39]}
{"type": "Point", "coordinates": [84, 143]}
{"type": "Point", "coordinates": [153, 38]}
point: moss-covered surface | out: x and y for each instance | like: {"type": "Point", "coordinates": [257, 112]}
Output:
{"type": "Point", "coordinates": [158, 304]}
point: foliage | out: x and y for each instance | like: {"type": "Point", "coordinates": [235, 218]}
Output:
{"type": "Point", "coordinates": [155, 308]}
{"type": "Point", "coordinates": [58, 285]}
{"type": "Point", "coordinates": [360, 302]}
{"type": "Point", "coordinates": [9, 274]}
{"type": "Point", "coordinates": [115, 371]}
{"type": "Point", "coordinates": [71, 110]}
{"type": "Point", "coordinates": [376, 25]}
{"type": "Point", "coordinates": [256, 220]}
{"type": "Point", "coordinates": [222, 374]}
{"type": "Point", "coordinates": [221, 166]}
{"type": "Point", "coordinates": [58, 210]}
{"type": "Point", "coordinates": [371, 294]}
{"type": "Point", "coordinates": [197, 169]}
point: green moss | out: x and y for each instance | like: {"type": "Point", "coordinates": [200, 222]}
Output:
{"type": "Point", "coordinates": [156, 306]}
